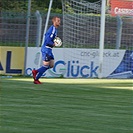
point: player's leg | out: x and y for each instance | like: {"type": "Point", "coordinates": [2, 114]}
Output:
{"type": "Point", "coordinates": [42, 69]}
{"type": "Point", "coordinates": [39, 72]}
{"type": "Point", "coordinates": [47, 63]}
{"type": "Point", "coordinates": [51, 63]}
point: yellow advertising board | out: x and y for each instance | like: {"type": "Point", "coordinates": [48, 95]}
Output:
{"type": "Point", "coordinates": [12, 60]}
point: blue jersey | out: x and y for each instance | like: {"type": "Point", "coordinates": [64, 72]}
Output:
{"type": "Point", "coordinates": [49, 38]}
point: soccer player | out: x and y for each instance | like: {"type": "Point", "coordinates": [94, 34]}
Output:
{"type": "Point", "coordinates": [46, 49]}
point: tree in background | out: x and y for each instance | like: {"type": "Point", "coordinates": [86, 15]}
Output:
{"type": "Point", "coordinates": [14, 5]}
{"type": "Point", "coordinates": [41, 5]}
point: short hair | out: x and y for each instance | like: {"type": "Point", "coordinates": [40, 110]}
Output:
{"type": "Point", "coordinates": [53, 19]}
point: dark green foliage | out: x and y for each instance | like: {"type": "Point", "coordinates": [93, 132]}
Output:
{"type": "Point", "coordinates": [41, 5]}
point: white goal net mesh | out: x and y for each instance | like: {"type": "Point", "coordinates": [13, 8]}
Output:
{"type": "Point", "coordinates": [80, 24]}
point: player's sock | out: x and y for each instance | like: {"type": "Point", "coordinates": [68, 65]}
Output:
{"type": "Point", "coordinates": [41, 70]}
{"type": "Point", "coordinates": [34, 73]}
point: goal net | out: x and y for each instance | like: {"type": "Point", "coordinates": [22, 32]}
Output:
{"type": "Point", "coordinates": [81, 37]}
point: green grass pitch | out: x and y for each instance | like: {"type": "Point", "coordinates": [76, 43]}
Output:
{"type": "Point", "coordinates": [66, 106]}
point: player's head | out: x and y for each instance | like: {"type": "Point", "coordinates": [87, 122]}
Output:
{"type": "Point", "coordinates": [56, 21]}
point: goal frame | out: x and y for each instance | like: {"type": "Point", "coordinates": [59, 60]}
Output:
{"type": "Point", "coordinates": [102, 35]}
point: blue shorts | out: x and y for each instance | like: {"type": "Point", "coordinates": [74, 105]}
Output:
{"type": "Point", "coordinates": [47, 55]}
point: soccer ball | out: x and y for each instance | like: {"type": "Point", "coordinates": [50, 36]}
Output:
{"type": "Point", "coordinates": [57, 42]}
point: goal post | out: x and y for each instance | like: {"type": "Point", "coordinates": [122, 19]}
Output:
{"type": "Point", "coordinates": [102, 35]}
{"type": "Point", "coordinates": [47, 20]}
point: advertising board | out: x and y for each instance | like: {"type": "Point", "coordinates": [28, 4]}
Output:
{"type": "Point", "coordinates": [11, 60]}
{"type": "Point", "coordinates": [84, 64]}
{"type": "Point", "coordinates": [121, 7]}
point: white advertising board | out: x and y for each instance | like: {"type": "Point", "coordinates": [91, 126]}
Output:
{"type": "Point", "coordinates": [81, 63]}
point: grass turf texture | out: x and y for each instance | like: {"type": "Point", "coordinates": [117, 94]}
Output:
{"type": "Point", "coordinates": [66, 106]}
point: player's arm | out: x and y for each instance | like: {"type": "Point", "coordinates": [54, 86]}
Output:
{"type": "Point", "coordinates": [50, 37]}
{"type": "Point", "coordinates": [49, 41]}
